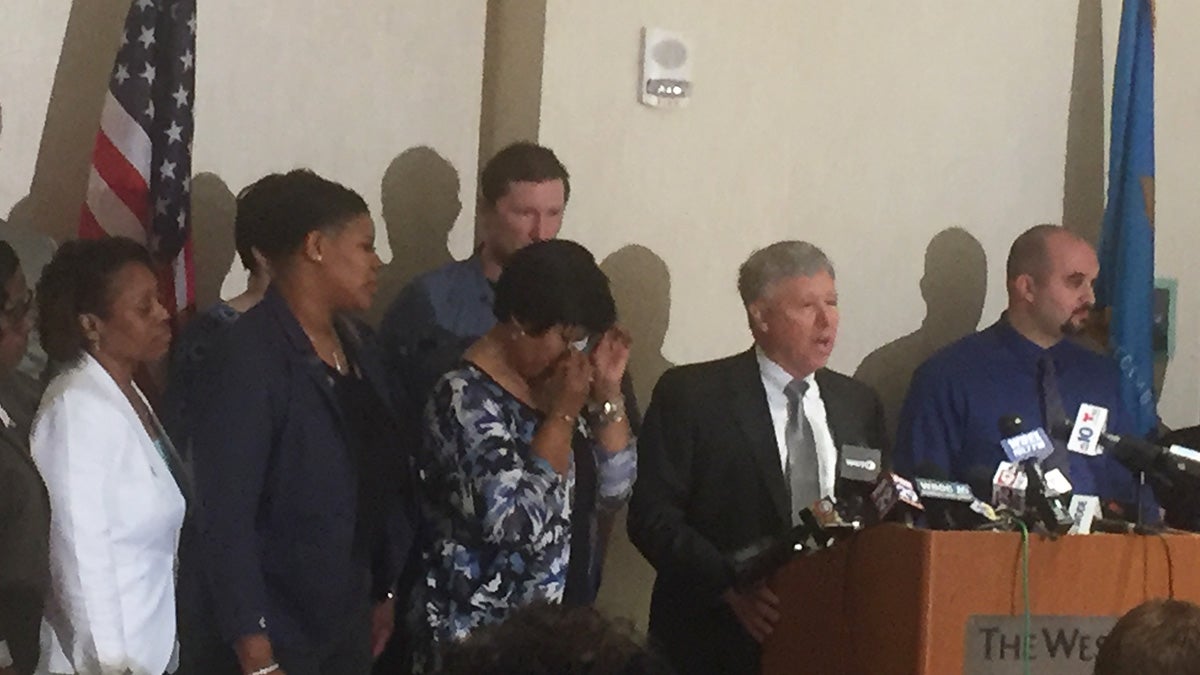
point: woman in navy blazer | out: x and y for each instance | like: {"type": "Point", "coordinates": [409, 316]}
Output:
{"type": "Point", "coordinates": [300, 482]}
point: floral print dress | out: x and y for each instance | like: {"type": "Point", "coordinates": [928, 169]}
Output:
{"type": "Point", "coordinates": [496, 518]}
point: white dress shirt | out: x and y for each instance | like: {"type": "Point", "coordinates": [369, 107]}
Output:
{"type": "Point", "coordinates": [774, 379]}
{"type": "Point", "coordinates": [116, 513]}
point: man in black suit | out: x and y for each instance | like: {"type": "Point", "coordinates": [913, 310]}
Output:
{"type": "Point", "coordinates": [732, 449]}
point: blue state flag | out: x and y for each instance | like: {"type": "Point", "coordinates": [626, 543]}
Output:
{"type": "Point", "coordinates": [1126, 283]}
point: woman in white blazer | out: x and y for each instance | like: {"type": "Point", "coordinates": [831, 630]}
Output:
{"type": "Point", "coordinates": [115, 483]}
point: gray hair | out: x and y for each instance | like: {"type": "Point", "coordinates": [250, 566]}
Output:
{"type": "Point", "coordinates": [781, 260]}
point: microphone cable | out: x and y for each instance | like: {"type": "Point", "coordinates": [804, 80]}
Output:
{"type": "Point", "coordinates": [1028, 632]}
{"type": "Point", "coordinates": [1166, 544]}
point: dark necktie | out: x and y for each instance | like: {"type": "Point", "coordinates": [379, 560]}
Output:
{"type": "Point", "coordinates": [1053, 412]}
{"type": "Point", "coordinates": [803, 472]}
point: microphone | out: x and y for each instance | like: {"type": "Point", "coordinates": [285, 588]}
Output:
{"type": "Point", "coordinates": [1028, 449]}
{"type": "Point", "coordinates": [1030, 445]}
{"type": "Point", "coordinates": [1088, 515]}
{"type": "Point", "coordinates": [858, 471]}
{"type": "Point", "coordinates": [1009, 484]}
{"type": "Point", "coordinates": [896, 499]}
{"type": "Point", "coordinates": [950, 505]}
{"type": "Point", "coordinates": [758, 560]}
{"type": "Point", "coordinates": [1011, 425]}
{"type": "Point", "coordinates": [821, 538]}
{"type": "Point", "coordinates": [1173, 463]}
{"type": "Point", "coordinates": [1173, 472]}
{"type": "Point", "coordinates": [830, 519]}
{"type": "Point", "coordinates": [1090, 423]}
{"type": "Point", "coordinates": [1085, 509]}
{"type": "Point", "coordinates": [1046, 505]}
{"type": "Point", "coordinates": [979, 477]}
{"type": "Point", "coordinates": [860, 464]}
{"type": "Point", "coordinates": [1057, 484]}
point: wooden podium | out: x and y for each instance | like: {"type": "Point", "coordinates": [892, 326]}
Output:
{"type": "Point", "coordinates": [892, 599]}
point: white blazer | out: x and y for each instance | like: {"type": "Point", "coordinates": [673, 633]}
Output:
{"type": "Point", "coordinates": [116, 513]}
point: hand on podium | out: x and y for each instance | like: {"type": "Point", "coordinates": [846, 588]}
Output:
{"type": "Point", "coordinates": [757, 609]}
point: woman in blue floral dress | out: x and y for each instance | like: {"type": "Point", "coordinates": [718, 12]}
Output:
{"type": "Point", "coordinates": [497, 468]}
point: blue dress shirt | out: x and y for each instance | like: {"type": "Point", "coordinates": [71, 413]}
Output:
{"type": "Point", "coordinates": [432, 322]}
{"type": "Point", "coordinates": [950, 418]}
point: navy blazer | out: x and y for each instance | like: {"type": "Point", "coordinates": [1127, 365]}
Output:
{"type": "Point", "coordinates": [281, 544]}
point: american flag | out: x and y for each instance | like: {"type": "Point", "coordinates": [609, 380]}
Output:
{"type": "Point", "coordinates": [140, 180]}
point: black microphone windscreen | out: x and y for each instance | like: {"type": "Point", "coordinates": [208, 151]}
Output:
{"type": "Point", "coordinates": [1011, 425]}
{"type": "Point", "coordinates": [1062, 429]}
{"type": "Point", "coordinates": [1135, 453]}
{"type": "Point", "coordinates": [860, 464]}
{"type": "Point", "coordinates": [931, 470]}
{"type": "Point", "coordinates": [979, 477]}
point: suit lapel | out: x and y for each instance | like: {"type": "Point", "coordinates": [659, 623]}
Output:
{"type": "Point", "coordinates": [835, 410]}
{"type": "Point", "coordinates": [10, 437]}
{"type": "Point", "coordinates": [96, 372]}
{"type": "Point", "coordinates": [754, 419]}
{"type": "Point", "coordinates": [318, 372]}
{"type": "Point", "coordinates": [303, 353]}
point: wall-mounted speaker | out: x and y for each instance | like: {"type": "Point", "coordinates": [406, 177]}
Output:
{"type": "Point", "coordinates": [666, 69]}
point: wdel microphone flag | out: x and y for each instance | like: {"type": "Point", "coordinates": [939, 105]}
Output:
{"type": "Point", "coordinates": [1126, 282]}
{"type": "Point", "coordinates": [140, 180]}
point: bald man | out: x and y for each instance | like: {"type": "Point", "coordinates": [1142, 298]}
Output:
{"type": "Point", "coordinates": [1022, 365]}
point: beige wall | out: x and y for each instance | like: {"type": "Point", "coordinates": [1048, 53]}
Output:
{"type": "Point", "coordinates": [866, 127]}
{"type": "Point", "coordinates": [1177, 200]}
{"type": "Point", "coordinates": [29, 48]}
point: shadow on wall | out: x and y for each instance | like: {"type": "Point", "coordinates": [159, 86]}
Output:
{"type": "Point", "coordinates": [1083, 178]}
{"type": "Point", "coordinates": [59, 186]}
{"type": "Point", "coordinates": [421, 203]}
{"type": "Point", "coordinates": [214, 209]}
{"type": "Point", "coordinates": [953, 286]}
{"type": "Point", "coordinates": [641, 286]}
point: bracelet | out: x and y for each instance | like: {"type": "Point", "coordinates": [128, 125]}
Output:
{"type": "Point", "coordinates": [269, 669]}
{"type": "Point", "coordinates": [608, 412]}
{"type": "Point", "coordinates": [569, 419]}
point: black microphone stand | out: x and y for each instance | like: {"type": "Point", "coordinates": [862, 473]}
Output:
{"type": "Point", "coordinates": [1140, 526]}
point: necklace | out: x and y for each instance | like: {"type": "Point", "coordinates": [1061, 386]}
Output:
{"type": "Point", "coordinates": [335, 353]}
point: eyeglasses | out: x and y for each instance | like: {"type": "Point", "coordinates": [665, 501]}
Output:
{"type": "Point", "coordinates": [584, 344]}
{"type": "Point", "coordinates": [18, 309]}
